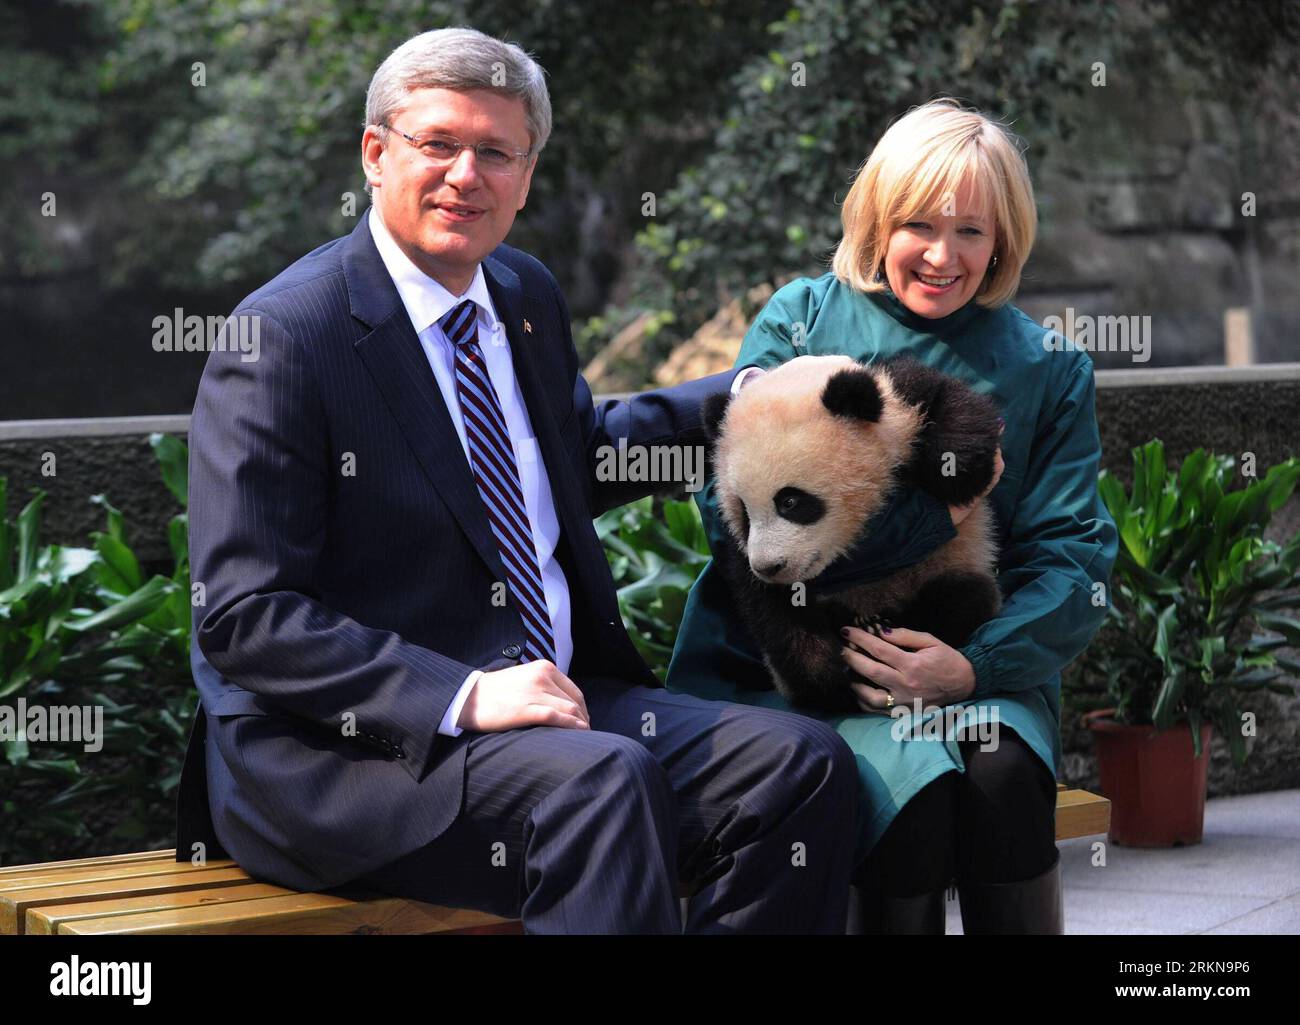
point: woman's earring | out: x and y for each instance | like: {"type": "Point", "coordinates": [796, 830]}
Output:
{"type": "Point", "coordinates": [993, 262]}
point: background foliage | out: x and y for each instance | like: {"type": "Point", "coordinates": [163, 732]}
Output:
{"type": "Point", "coordinates": [211, 189]}
{"type": "Point", "coordinates": [86, 627]}
{"type": "Point", "coordinates": [1201, 602]}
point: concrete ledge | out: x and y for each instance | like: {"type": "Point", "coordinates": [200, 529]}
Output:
{"type": "Point", "coordinates": [1157, 377]}
{"type": "Point", "coordinates": [94, 427]}
{"type": "Point", "coordinates": [179, 423]}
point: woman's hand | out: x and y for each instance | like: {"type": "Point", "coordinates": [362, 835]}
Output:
{"type": "Point", "coordinates": [932, 671]}
{"type": "Point", "coordinates": [960, 512]}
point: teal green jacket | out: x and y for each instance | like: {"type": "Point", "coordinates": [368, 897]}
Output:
{"type": "Point", "coordinates": [1057, 540]}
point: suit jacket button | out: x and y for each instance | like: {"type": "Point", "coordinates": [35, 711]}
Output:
{"type": "Point", "coordinates": [512, 651]}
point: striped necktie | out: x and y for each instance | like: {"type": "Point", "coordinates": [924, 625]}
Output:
{"type": "Point", "coordinates": [492, 460]}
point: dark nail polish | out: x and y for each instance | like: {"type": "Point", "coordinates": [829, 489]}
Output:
{"type": "Point", "coordinates": [844, 631]}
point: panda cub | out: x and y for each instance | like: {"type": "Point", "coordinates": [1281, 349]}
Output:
{"type": "Point", "coordinates": [803, 458]}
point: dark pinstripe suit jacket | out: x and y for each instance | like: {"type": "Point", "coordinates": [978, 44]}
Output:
{"type": "Point", "coordinates": [348, 567]}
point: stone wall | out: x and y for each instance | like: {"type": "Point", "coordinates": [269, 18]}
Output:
{"type": "Point", "coordinates": [1145, 212]}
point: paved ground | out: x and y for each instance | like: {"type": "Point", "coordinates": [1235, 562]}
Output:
{"type": "Point", "coordinates": [1244, 877]}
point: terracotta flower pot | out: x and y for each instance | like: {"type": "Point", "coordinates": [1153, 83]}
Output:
{"type": "Point", "coordinates": [1155, 787]}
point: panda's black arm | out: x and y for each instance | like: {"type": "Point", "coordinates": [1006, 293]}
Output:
{"type": "Point", "coordinates": [956, 452]}
{"type": "Point", "coordinates": [813, 671]}
{"type": "Point", "coordinates": [799, 640]}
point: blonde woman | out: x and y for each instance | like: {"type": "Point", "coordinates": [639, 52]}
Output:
{"type": "Point", "coordinates": [937, 227]}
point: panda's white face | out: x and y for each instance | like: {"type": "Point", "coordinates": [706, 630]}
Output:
{"type": "Point", "coordinates": [787, 537]}
{"type": "Point", "coordinates": [801, 467]}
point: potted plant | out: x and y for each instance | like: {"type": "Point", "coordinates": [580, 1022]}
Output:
{"type": "Point", "coordinates": [1195, 617]}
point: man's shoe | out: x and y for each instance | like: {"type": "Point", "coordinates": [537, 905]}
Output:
{"type": "Point", "coordinates": [922, 915]}
{"type": "Point", "coordinates": [1032, 907]}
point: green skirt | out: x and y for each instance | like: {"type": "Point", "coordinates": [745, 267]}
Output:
{"type": "Point", "coordinates": [716, 659]}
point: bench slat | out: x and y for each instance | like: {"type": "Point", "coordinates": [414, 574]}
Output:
{"type": "Point", "coordinates": [1079, 813]}
{"type": "Point", "coordinates": [45, 921]}
{"type": "Point", "coordinates": [46, 875]}
{"type": "Point", "coordinates": [16, 902]}
{"type": "Point", "coordinates": [111, 859]}
{"type": "Point", "coordinates": [313, 914]}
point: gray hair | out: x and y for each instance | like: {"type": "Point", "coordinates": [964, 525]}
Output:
{"type": "Point", "coordinates": [461, 59]}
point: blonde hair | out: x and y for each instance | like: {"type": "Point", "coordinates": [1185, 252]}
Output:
{"type": "Point", "coordinates": [919, 164]}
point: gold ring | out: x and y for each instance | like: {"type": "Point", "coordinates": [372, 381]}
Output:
{"type": "Point", "coordinates": [889, 700]}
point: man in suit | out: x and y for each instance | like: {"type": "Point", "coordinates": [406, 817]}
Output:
{"type": "Point", "coordinates": [413, 672]}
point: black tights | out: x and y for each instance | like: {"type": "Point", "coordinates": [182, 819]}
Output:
{"type": "Point", "coordinates": [996, 823]}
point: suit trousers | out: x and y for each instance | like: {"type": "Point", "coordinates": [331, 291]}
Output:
{"type": "Point", "coordinates": [590, 831]}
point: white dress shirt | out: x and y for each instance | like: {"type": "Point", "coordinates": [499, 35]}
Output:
{"type": "Point", "coordinates": [426, 303]}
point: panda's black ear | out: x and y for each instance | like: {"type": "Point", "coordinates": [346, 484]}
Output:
{"type": "Point", "coordinates": [853, 393]}
{"type": "Point", "coordinates": [712, 412]}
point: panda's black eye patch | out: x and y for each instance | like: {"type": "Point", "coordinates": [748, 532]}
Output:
{"type": "Point", "coordinates": [798, 506]}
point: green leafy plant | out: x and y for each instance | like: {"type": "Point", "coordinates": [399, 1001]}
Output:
{"type": "Point", "coordinates": [88, 627]}
{"type": "Point", "coordinates": [654, 560]}
{"type": "Point", "coordinates": [1198, 606]}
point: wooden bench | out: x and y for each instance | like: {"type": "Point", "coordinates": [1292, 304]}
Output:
{"type": "Point", "coordinates": [155, 894]}
{"type": "Point", "coordinates": [151, 893]}
{"type": "Point", "coordinates": [1079, 813]}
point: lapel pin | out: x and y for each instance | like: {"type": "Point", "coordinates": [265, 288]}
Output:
{"type": "Point", "coordinates": [528, 328]}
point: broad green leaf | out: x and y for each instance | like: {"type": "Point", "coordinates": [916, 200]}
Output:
{"type": "Point", "coordinates": [66, 768]}
{"type": "Point", "coordinates": [128, 610]}
{"type": "Point", "coordinates": [1289, 628]}
{"type": "Point", "coordinates": [178, 538]}
{"type": "Point", "coordinates": [1164, 624]}
{"type": "Point", "coordinates": [1134, 535]}
{"type": "Point", "coordinates": [173, 460]}
{"type": "Point", "coordinates": [1291, 665]}
{"type": "Point", "coordinates": [1194, 721]}
{"type": "Point", "coordinates": [1280, 482]}
{"type": "Point", "coordinates": [29, 529]}
{"type": "Point", "coordinates": [1166, 706]}
{"type": "Point", "coordinates": [1236, 745]}
{"type": "Point", "coordinates": [114, 516]}
{"type": "Point", "coordinates": [1112, 494]}
{"type": "Point", "coordinates": [119, 571]}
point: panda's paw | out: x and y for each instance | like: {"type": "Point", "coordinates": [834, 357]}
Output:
{"type": "Point", "coordinates": [874, 624]}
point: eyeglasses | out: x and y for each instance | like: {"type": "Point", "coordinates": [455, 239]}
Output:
{"type": "Point", "coordinates": [443, 150]}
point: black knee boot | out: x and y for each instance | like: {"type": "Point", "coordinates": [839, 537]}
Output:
{"type": "Point", "coordinates": [1032, 907]}
{"type": "Point", "coordinates": [914, 859]}
{"type": "Point", "coordinates": [1006, 826]}
{"type": "Point", "coordinates": [873, 914]}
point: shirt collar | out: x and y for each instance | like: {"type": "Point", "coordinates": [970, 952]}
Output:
{"type": "Point", "coordinates": [426, 300]}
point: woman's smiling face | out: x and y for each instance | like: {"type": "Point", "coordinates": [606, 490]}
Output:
{"type": "Point", "coordinates": [936, 261]}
